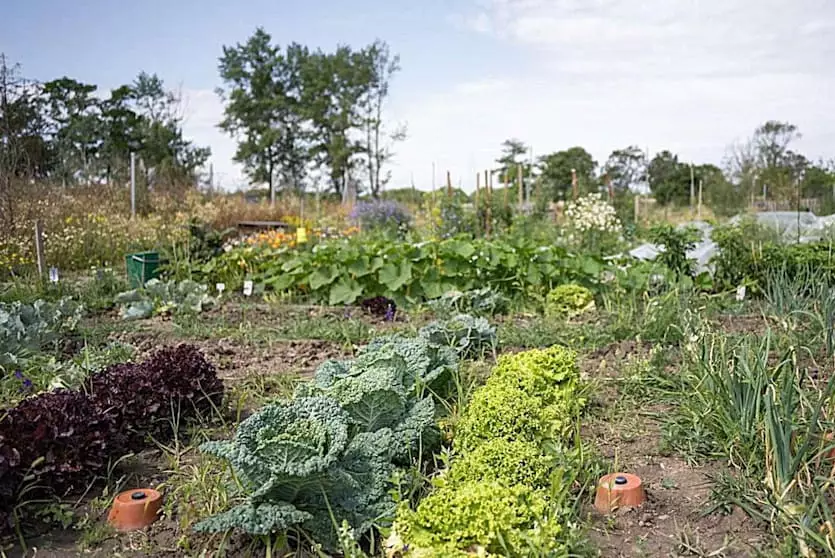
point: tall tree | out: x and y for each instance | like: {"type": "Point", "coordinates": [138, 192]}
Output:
{"type": "Point", "coordinates": [263, 92]}
{"type": "Point", "coordinates": [556, 172]}
{"type": "Point", "coordinates": [74, 131]}
{"type": "Point", "coordinates": [514, 153]}
{"type": "Point", "coordinates": [333, 86]}
{"type": "Point", "coordinates": [626, 168]}
{"type": "Point", "coordinates": [164, 150]}
{"type": "Point", "coordinates": [669, 179]}
{"type": "Point", "coordinates": [378, 144]}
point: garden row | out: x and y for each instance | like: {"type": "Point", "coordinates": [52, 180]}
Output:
{"type": "Point", "coordinates": [345, 270]}
{"type": "Point", "coordinates": [323, 462]}
{"type": "Point", "coordinates": [57, 442]}
{"type": "Point", "coordinates": [508, 491]}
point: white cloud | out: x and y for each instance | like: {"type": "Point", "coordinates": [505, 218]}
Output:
{"type": "Point", "coordinates": [690, 75]}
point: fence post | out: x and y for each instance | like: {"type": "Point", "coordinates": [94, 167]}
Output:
{"type": "Point", "coordinates": [132, 185]}
{"type": "Point", "coordinates": [39, 252]}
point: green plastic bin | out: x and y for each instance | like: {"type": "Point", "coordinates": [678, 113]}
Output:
{"type": "Point", "coordinates": [142, 267]}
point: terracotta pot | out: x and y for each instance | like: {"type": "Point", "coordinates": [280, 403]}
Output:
{"type": "Point", "coordinates": [619, 490]}
{"type": "Point", "coordinates": [135, 509]}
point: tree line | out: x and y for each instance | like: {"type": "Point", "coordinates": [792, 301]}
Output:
{"type": "Point", "coordinates": [65, 130]}
{"type": "Point", "coordinates": [765, 166]}
{"type": "Point", "coordinates": [301, 115]}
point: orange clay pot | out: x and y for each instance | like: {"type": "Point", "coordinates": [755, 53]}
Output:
{"type": "Point", "coordinates": [134, 509]}
{"type": "Point", "coordinates": [619, 490]}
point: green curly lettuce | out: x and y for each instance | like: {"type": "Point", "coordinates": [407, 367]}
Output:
{"type": "Point", "coordinates": [566, 301]}
{"type": "Point", "coordinates": [530, 395]}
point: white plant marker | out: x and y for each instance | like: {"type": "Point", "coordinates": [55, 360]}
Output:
{"type": "Point", "coordinates": [220, 288]}
{"type": "Point", "coordinates": [740, 292]}
{"type": "Point", "coordinates": [247, 288]}
{"type": "Point", "coordinates": [53, 274]}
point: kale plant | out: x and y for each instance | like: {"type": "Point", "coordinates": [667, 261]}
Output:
{"type": "Point", "coordinates": [158, 297]}
{"type": "Point", "coordinates": [331, 452]}
{"type": "Point", "coordinates": [468, 335]}
{"type": "Point", "coordinates": [478, 302]}
{"type": "Point", "coordinates": [28, 328]}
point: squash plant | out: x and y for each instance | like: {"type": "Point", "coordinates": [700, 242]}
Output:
{"type": "Point", "coordinates": [343, 271]}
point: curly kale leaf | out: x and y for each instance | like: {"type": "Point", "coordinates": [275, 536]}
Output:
{"type": "Point", "coordinates": [286, 439]}
{"type": "Point", "coordinates": [416, 430]}
{"type": "Point", "coordinates": [468, 335]}
{"type": "Point", "coordinates": [255, 519]}
{"type": "Point", "coordinates": [432, 360]}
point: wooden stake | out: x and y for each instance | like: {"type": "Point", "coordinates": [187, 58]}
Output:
{"type": "Point", "coordinates": [519, 182]}
{"type": "Point", "coordinates": [448, 184]}
{"type": "Point", "coordinates": [488, 179]}
{"type": "Point", "coordinates": [39, 252]}
{"type": "Point", "coordinates": [477, 192]}
{"type": "Point", "coordinates": [574, 183]}
{"type": "Point", "coordinates": [700, 200]}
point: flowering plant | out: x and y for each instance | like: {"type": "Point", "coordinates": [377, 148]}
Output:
{"type": "Point", "coordinates": [379, 214]}
{"type": "Point", "coordinates": [593, 223]}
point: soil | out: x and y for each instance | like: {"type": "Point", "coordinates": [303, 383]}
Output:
{"type": "Point", "coordinates": [672, 521]}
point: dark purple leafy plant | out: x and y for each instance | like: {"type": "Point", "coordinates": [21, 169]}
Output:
{"type": "Point", "coordinates": [172, 386]}
{"type": "Point", "coordinates": [380, 306]}
{"type": "Point", "coordinates": [58, 442]}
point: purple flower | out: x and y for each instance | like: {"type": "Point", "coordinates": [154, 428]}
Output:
{"type": "Point", "coordinates": [389, 317]}
{"type": "Point", "coordinates": [377, 214]}
{"type": "Point", "coordinates": [26, 382]}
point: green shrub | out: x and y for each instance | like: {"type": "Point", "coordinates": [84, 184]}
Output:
{"type": "Point", "coordinates": [676, 243]}
{"type": "Point", "coordinates": [747, 256]}
{"type": "Point", "coordinates": [568, 300]}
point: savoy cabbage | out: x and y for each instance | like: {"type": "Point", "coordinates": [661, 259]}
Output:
{"type": "Point", "coordinates": [328, 455]}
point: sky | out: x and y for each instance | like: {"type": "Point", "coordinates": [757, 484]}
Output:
{"type": "Point", "coordinates": [691, 76]}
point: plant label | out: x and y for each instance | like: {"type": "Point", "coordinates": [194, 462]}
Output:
{"type": "Point", "coordinates": [740, 293]}
{"type": "Point", "coordinates": [53, 274]}
{"type": "Point", "coordinates": [220, 288]}
{"type": "Point", "coordinates": [247, 288]}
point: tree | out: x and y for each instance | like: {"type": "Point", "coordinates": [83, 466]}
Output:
{"type": "Point", "coordinates": [163, 149]}
{"type": "Point", "coordinates": [779, 168]}
{"type": "Point", "coordinates": [263, 92]}
{"type": "Point", "coordinates": [557, 176]}
{"type": "Point", "coordinates": [819, 180]}
{"type": "Point", "coordinates": [74, 130]}
{"type": "Point", "coordinates": [669, 179]}
{"type": "Point", "coordinates": [626, 168]}
{"type": "Point", "coordinates": [121, 133]}
{"type": "Point", "coordinates": [378, 144]}
{"type": "Point", "coordinates": [23, 150]}
{"type": "Point", "coordinates": [514, 152]}
{"type": "Point", "coordinates": [333, 86]}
